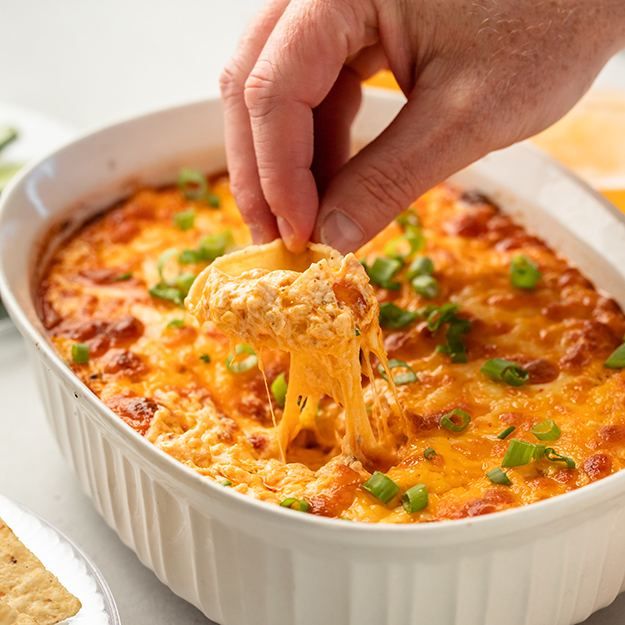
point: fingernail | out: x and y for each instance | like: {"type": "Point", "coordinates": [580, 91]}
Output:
{"type": "Point", "coordinates": [342, 232]}
{"type": "Point", "coordinates": [286, 231]}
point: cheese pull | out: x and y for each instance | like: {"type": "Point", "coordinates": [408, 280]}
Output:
{"type": "Point", "coordinates": [320, 308]}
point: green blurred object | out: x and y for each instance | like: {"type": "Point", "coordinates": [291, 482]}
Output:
{"type": "Point", "coordinates": [3, 311]}
{"type": "Point", "coordinates": [7, 171]}
{"type": "Point", "coordinates": [7, 136]}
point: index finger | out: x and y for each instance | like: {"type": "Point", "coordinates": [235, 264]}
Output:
{"type": "Point", "coordinates": [295, 71]}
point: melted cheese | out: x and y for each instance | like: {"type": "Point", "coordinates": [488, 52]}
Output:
{"type": "Point", "coordinates": [171, 384]}
{"type": "Point", "coordinates": [321, 309]}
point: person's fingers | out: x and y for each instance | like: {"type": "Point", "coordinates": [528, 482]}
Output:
{"type": "Point", "coordinates": [240, 155]}
{"type": "Point", "coordinates": [431, 138]}
{"type": "Point", "coordinates": [334, 116]}
{"type": "Point", "coordinates": [332, 124]}
{"type": "Point", "coordinates": [294, 73]}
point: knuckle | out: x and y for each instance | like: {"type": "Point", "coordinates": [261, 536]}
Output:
{"type": "Point", "coordinates": [390, 186]}
{"type": "Point", "coordinates": [230, 81]}
{"type": "Point", "coordinates": [259, 89]}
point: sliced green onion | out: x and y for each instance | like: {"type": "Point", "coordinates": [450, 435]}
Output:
{"type": "Point", "coordinates": [405, 245]}
{"type": "Point", "coordinates": [407, 377]}
{"type": "Point", "coordinates": [421, 266]}
{"type": "Point", "coordinates": [382, 271]}
{"type": "Point", "coordinates": [212, 200]}
{"type": "Point", "coordinates": [163, 260]}
{"type": "Point", "coordinates": [210, 248]}
{"type": "Point", "coordinates": [524, 273]}
{"type": "Point", "coordinates": [553, 456]}
{"type": "Point", "coordinates": [381, 487]}
{"type": "Point", "coordinates": [438, 315]}
{"type": "Point", "coordinates": [521, 452]}
{"type": "Point", "coordinates": [429, 453]}
{"type": "Point", "coordinates": [616, 359]}
{"type": "Point", "coordinates": [192, 183]}
{"type": "Point", "coordinates": [457, 327]}
{"type": "Point", "coordinates": [506, 371]}
{"type": "Point", "coordinates": [426, 286]}
{"type": "Point", "coordinates": [225, 482]}
{"type": "Point", "coordinates": [505, 433]}
{"type": "Point", "coordinates": [392, 316]}
{"type": "Point", "coordinates": [497, 476]}
{"type": "Point", "coordinates": [205, 358]}
{"type": "Point", "coordinates": [278, 389]}
{"type": "Point", "coordinates": [456, 420]}
{"type": "Point", "coordinates": [241, 365]}
{"type": "Point", "coordinates": [301, 505]}
{"type": "Point", "coordinates": [168, 293]}
{"type": "Point", "coordinates": [408, 218]}
{"type": "Point", "coordinates": [122, 277]}
{"type": "Point", "coordinates": [546, 430]}
{"type": "Point", "coordinates": [415, 498]}
{"type": "Point", "coordinates": [185, 220]}
{"type": "Point", "coordinates": [80, 353]}
{"type": "Point", "coordinates": [176, 323]}
{"type": "Point", "coordinates": [183, 283]}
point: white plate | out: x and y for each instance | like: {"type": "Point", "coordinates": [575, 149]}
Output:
{"type": "Point", "coordinates": [60, 556]}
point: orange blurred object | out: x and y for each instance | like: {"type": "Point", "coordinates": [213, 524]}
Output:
{"type": "Point", "coordinates": [590, 139]}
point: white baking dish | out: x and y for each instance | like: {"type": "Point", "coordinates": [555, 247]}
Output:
{"type": "Point", "coordinates": [243, 562]}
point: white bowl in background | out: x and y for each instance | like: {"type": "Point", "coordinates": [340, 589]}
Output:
{"type": "Point", "coordinates": [245, 562]}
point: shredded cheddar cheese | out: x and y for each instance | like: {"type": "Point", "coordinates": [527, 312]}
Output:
{"type": "Point", "coordinates": [493, 341]}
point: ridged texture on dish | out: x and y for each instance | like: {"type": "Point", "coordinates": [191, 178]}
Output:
{"type": "Point", "coordinates": [557, 573]}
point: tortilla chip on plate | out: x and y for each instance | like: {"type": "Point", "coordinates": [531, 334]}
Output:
{"type": "Point", "coordinates": [28, 588]}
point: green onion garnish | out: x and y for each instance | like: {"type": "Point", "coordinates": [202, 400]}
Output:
{"type": "Point", "coordinates": [426, 286]}
{"type": "Point", "coordinates": [408, 218]}
{"type": "Point", "coordinates": [381, 487]}
{"type": "Point", "coordinates": [524, 273]}
{"type": "Point", "coordinates": [185, 219]}
{"type": "Point", "coordinates": [183, 283]}
{"type": "Point", "coordinates": [553, 456]}
{"type": "Point", "coordinates": [497, 476]}
{"type": "Point", "coordinates": [301, 505]}
{"type": "Point", "coordinates": [521, 452]}
{"type": "Point", "coordinates": [456, 420]}
{"type": "Point", "coordinates": [415, 498]}
{"type": "Point", "coordinates": [506, 371]}
{"type": "Point", "coordinates": [546, 430]}
{"type": "Point", "coordinates": [382, 271]}
{"type": "Point", "coordinates": [392, 316]}
{"type": "Point", "coordinates": [237, 365]}
{"type": "Point", "coordinates": [225, 482]}
{"type": "Point", "coordinates": [429, 453]}
{"type": "Point", "coordinates": [438, 315]}
{"type": "Point", "coordinates": [210, 248]}
{"type": "Point", "coordinates": [80, 353]}
{"type": "Point", "coordinates": [166, 292]}
{"type": "Point", "coordinates": [407, 244]}
{"type": "Point", "coordinates": [616, 359]}
{"type": "Point", "coordinates": [205, 358]}
{"type": "Point", "coordinates": [192, 183]}
{"type": "Point", "coordinates": [176, 323]}
{"type": "Point", "coordinates": [278, 389]}
{"type": "Point", "coordinates": [122, 277]}
{"type": "Point", "coordinates": [407, 377]}
{"type": "Point", "coordinates": [421, 266]}
{"type": "Point", "coordinates": [505, 433]}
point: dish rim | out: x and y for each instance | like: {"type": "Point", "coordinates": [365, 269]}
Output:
{"type": "Point", "coordinates": [442, 531]}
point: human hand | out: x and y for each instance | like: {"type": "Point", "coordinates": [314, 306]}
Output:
{"type": "Point", "coordinates": [478, 76]}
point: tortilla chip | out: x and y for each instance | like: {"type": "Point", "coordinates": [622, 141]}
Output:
{"type": "Point", "coordinates": [9, 616]}
{"type": "Point", "coordinates": [27, 587]}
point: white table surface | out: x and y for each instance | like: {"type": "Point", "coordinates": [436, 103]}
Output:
{"type": "Point", "coordinates": [85, 63]}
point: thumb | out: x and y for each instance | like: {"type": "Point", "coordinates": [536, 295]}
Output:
{"type": "Point", "coordinates": [422, 146]}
